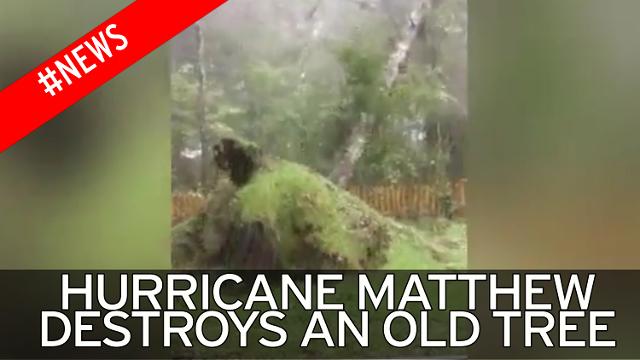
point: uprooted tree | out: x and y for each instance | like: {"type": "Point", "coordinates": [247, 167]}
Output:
{"type": "Point", "coordinates": [267, 213]}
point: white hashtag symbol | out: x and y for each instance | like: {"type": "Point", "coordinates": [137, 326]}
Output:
{"type": "Point", "coordinates": [50, 87]}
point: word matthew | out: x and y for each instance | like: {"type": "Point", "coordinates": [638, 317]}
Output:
{"type": "Point", "coordinates": [337, 310]}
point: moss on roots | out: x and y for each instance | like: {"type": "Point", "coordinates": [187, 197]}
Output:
{"type": "Point", "coordinates": [277, 214]}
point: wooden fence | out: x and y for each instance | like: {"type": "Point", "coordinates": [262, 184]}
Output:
{"type": "Point", "coordinates": [412, 200]}
{"type": "Point", "coordinates": [400, 200]}
{"type": "Point", "coordinates": [186, 205]}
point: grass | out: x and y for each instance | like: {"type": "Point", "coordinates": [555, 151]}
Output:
{"type": "Point", "coordinates": [431, 244]}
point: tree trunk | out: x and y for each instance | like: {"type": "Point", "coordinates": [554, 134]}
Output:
{"type": "Point", "coordinates": [357, 141]}
{"type": "Point", "coordinates": [343, 172]}
{"type": "Point", "coordinates": [201, 113]}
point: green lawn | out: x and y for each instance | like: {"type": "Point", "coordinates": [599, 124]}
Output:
{"type": "Point", "coordinates": [447, 239]}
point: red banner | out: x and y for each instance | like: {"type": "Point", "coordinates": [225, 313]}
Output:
{"type": "Point", "coordinates": [93, 60]}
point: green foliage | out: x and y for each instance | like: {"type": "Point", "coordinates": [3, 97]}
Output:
{"type": "Point", "coordinates": [183, 95]}
{"type": "Point", "coordinates": [363, 87]}
{"type": "Point", "coordinates": [397, 150]}
{"type": "Point", "coordinates": [297, 85]}
{"type": "Point", "coordinates": [311, 110]}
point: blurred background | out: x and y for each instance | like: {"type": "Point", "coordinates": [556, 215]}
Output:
{"type": "Point", "coordinates": [90, 189]}
{"type": "Point", "coordinates": [554, 155]}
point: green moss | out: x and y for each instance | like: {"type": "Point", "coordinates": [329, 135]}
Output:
{"type": "Point", "coordinates": [310, 213]}
{"type": "Point", "coordinates": [300, 205]}
{"type": "Point", "coordinates": [222, 131]}
{"type": "Point", "coordinates": [186, 241]}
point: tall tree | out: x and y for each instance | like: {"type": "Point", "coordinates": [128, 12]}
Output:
{"type": "Point", "coordinates": [201, 111]}
{"type": "Point", "coordinates": [360, 133]}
